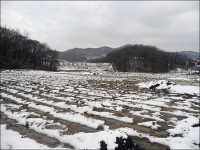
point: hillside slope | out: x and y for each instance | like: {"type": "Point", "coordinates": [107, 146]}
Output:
{"type": "Point", "coordinates": [143, 58]}
{"type": "Point", "coordinates": [190, 54]}
{"type": "Point", "coordinates": [81, 54]}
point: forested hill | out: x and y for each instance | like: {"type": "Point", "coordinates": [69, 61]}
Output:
{"type": "Point", "coordinates": [20, 52]}
{"type": "Point", "coordinates": [81, 54]}
{"type": "Point", "coordinates": [143, 58]}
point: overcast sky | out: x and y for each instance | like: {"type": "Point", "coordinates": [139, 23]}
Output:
{"type": "Point", "coordinates": [171, 26]}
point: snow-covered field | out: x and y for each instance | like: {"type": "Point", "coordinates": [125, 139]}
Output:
{"type": "Point", "coordinates": [13, 140]}
{"type": "Point", "coordinates": [80, 109]}
{"type": "Point", "coordinates": [83, 66]}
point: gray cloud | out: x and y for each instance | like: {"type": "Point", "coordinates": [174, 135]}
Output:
{"type": "Point", "coordinates": [172, 26]}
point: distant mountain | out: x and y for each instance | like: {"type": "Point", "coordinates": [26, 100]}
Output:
{"type": "Point", "coordinates": [81, 54]}
{"type": "Point", "coordinates": [190, 54]}
{"type": "Point", "coordinates": [127, 45]}
{"type": "Point", "coordinates": [85, 54]}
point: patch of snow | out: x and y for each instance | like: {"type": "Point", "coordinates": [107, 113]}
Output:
{"type": "Point", "coordinates": [152, 124]}
{"type": "Point", "coordinates": [171, 86]}
{"type": "Point", "coordinates": [13, 140]}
